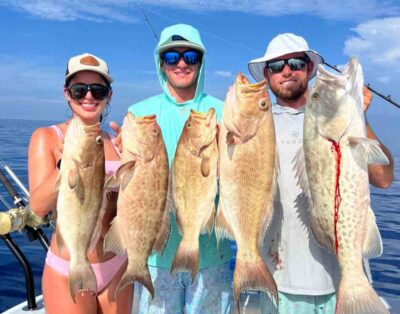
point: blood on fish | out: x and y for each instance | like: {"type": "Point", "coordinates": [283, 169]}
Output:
{"type": "Point", "coordinates": [338, 199]}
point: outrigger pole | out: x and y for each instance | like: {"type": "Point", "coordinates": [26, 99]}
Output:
{"type": "Point", "coordinates": [388, 98]}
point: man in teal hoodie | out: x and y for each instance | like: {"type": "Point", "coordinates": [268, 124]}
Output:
{"type": "Point", "coordinates": [180, 61]}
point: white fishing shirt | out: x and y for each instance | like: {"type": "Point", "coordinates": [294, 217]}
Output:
{"type": "Point", "coordinates": [299, 265]}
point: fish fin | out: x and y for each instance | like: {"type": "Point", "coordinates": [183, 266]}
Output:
{"type": "Point", "coordinates": [57, 183]}
{"type": "Point", "coordinates": [252, 275]}
{"type": "Point", "coordinates": [111, 182]}
{"type": "Point", "coordinates": [125, 173]}
{"type": "Point", "coordinates": [205, 166]}
{"type": "Point", "coordinates": [372, 242]}
{"type": "Point", "coordinates": [269, 212]}
{"type": "Point", "coordinates": [60, 242]}
{"type": "Point", "coordinates": [113, 241]}
{"type": "Point", "coordinates": [209, 222]}
{"type": "Point", "coordinates": [142, 276]}
{"type": "Point", "coordinates": [302, 181]}
{"type": "Point", "coordinates": [75, 183]}
{"type": "Point", "coordinates": [222, 227]}
{"type": "Point", "coordinates": [163, 232]}
{"type": "Point", "coordinates": [319, 235]}
{"type": "Point", "coordinates": [356, 295]}
{"type": "Point", "coordinates": [99, 223]}
{"type": "Point", "coordinates": [127, 166]}
{"type": "Point", "coordinates": [81, 277]}
{"type": "Point", "coordinates": [372, 149]}
{"type": "Point", "coordinates": [301, 175]}
{"type": "Point", "coordinates": [73, 178]}
{"type": "Point", "coordinates": [186, 258]}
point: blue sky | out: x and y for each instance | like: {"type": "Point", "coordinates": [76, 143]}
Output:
{"type": "Point", "coordinates": [37, 37]}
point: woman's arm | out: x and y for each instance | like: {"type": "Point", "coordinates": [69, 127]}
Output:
{"type": "Point", "coordinates": [42, 170]}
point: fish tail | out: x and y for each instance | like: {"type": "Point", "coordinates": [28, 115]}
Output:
{"type": "Point", "coordinates": [81, 277]}
{"type": "Point", "coordinates": [142, 276]}
{"type": "Point", "coordinates": [358, 297]}
{"type": "Point", "coordinates": [253, 276]}
{"type": "Point", "coordinates": [187, 258]}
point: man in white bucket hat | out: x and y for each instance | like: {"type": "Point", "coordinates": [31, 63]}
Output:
{"type": "Point", "coordinates": [305, 273]}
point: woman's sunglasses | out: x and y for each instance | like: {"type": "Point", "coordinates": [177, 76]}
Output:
{"type": "Point", "coordinates": [79, 91]}
{"type": "Point", "coordinates": [295, 64]}
{"type": "Point", "coordinates": [190, 57]}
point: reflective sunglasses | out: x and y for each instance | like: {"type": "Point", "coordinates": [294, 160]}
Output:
{"type": "Point", "coordinates": [190, 57]}
{"type": "Point", "coordinates": [295, 64]}
{"type": "Point", "coordinates": [79, 91]}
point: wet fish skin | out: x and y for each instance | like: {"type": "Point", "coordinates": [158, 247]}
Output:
{"type": "Point", "coordinates": [337, 152]}
{"type": "Point", "coordinates": [81, 201]}
{"type": "Point", "coordinates": [194, 186]}
{"type": "Point", "coordinates": [247, 181]}
{"type": "Point", "coordinates": [141, 224]}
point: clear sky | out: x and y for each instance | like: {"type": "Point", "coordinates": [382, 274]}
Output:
{"type": "Point", "coordinates": [37, 37]}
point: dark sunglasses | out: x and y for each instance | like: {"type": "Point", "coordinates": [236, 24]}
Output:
{"type": "Point", "coordinates": [79, 91]}
{"type": "Point", "coordinates": [190, 57]}
{"type": "Point", "coordinates": [295, 64]}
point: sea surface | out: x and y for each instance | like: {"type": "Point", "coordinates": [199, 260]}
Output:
{"type": "Point", "coordinates": [14, 141]}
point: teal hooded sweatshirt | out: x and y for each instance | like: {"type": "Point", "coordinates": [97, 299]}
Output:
{"type": "Point", "coordinates": [171, 117]}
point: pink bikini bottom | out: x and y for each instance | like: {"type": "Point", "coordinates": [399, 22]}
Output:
{"type": "Point", "coordinates": [104, 272]}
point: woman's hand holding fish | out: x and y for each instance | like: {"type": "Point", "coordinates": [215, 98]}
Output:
{"type": "Point", "coordinates": [118, 140]}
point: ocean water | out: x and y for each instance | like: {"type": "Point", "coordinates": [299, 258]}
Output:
{"type": "Point", "coordinates": [14, 141]}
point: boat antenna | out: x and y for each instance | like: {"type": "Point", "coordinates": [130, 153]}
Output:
{"type": "Point", "coordinates": [148, 23]}
{"type": "Point", "coordinates": [388, 98]}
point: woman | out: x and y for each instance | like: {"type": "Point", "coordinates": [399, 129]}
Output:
{"type": "Point", "coordinates": [88, 92]}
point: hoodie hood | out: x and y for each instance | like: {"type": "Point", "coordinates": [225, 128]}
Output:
{"type": "Point", "coordinates": [176, 36]}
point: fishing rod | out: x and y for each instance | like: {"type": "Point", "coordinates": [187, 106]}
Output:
{"type": "Point", "coordinates": [387, 98]}
{"type": "Point", "coordinates": [148, 23]}
{"type": "Point", "coordinates": [14, 177]}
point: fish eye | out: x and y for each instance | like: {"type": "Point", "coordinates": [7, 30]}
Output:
{"type": "Point", "coordinates": [263, 105]}
{"type": "Point", "coordinates": [155, 132]}
{"type": "Point", "coordinates": [99, 140]}
{"type": "Point", "coordinates": [188, 125]}
{"type": "Point", "coordinates": [314, 96]}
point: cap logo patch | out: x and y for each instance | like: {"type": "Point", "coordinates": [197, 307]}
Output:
{"type": "Point", "coordinates": [89, 60]}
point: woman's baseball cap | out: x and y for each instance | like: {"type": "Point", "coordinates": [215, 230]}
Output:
{"type": "Point", "coordinates": [87, 62]}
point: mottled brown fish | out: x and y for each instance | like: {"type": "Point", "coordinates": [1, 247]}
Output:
{"type": "Point", "coordinates": [194, 186]}
{"type": "Point", "coordinates": [247, 181]}
{"type": "Point", "coordinates": [141, 224]}
{"type": "Point", "coordinates": [335, 181]}
{"type": "Point", "coordinates": [79, 203]}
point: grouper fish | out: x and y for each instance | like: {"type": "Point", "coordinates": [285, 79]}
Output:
{"type": "Point", "coordinates": [141, 224]}
{"type": "Point", "coordinates": [81, 201]}
{"type": "Point", "coordinates": [247, 181]}
{"type": "Point", "coordinates": [194, 186]}
{"type": "Point", "coordinates": [335, 181]}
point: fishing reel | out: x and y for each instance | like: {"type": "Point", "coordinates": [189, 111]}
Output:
{"type": "Point", "coordinates": [16, 219]}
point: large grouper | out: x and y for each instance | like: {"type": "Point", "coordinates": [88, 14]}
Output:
{"type": "Point", "coordinates": [194, 186]}
{"type": "Point", "coordinates": [142, 223]}
{"type": "Point", "coordinates": [81, 201]}
{"type": "Point", "coordinates": [247, 181]}
{"type": "Point", "coordinates": [334, 178]}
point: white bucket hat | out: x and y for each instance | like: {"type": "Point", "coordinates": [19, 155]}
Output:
{"type": "Point", "coordinates": [87, 62]}
{"type": "Point", "coordinates": [281, 45]}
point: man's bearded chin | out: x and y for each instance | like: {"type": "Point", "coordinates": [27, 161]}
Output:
{"type": "Point", "coordinates": [290, 95]}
